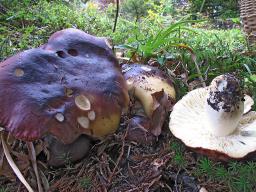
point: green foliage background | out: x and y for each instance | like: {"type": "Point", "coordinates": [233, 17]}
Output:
{"type": "Point", "coordinates": [216, 8]}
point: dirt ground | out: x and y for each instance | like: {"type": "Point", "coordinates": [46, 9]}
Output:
{"type": "Point", "coordinates": [114, 164]}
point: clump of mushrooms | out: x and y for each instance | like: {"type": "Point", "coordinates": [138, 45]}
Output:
{"type": "Point", "coordinates": [69, 87]}
{"type": "Point", "coordinates": [153, 94]}
{"type": "Point", "coordinates": [215, 121]}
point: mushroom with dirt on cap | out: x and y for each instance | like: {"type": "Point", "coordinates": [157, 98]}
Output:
{"type": "Point", "coordinates": [69, 87]}
{"type": "Point", "coordinates": [215, 120]}
{"type": "Point", "coordinates": [153, 94]}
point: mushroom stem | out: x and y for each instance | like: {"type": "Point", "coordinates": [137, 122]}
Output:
{"type": "Point", "coordinates": [13, 165]}
{"type": "Point", "coordinates": [224, 105]}
{"type": "Point", "coordinates": [32, 155]}
{"type": "Point", "coordinates": [223, 123]}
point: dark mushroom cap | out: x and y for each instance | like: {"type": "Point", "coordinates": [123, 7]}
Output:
{"type": "Point", "coordinates": [70, 86]}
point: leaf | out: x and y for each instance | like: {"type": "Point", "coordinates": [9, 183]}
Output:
{"type": "Point", "coordinates": [153, 44]}
{"type": "Point", "coordinates": [125, 46]}
{"type": "Point", "coordinates": [253, 78]}
{"type": "Point", "coordinates": [162, 104]}
{"type": "Point", "coordinates": [248, 69]}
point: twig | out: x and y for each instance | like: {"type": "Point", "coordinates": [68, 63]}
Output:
{"type": "Point", "coordinates": [128, 152]}
{"type": "Point", "coordinates": [176, 178]}
{"type": "Point", "coordinates": [117, 12]}
{"type": "Point", "coordinates": [193, 56]}
{"type": "Point", "coordinates": [119, 158]}
{"type": "Point", "coordinates": [154, 181]}
{"type": "Point", "coordinates": [32, 155]}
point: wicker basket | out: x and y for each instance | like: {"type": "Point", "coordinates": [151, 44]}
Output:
{"type": "Point", "coordinates": [248, 16]}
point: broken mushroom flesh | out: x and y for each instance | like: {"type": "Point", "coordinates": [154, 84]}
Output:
{"type": "Point", "coordinates": [70, 86]}
{"type": "Point", "coordinates": [153, 95]}
{"type": "Point", "coordinates": [143, 81]}
{"type": "Point", "coordinates": [211, 121]}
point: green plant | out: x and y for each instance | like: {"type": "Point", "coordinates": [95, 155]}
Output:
{"type": "Point", "coordinates": [135, 8]}
{"type": "Point", "coordinates": [250, 85]}
{"type": "Point", "coordinates": [177, 147]}
{"type": "Point", "coordinates": [242, 178]}
{"type": "Point", "coordinates": [156, 45]}
{"type": "Point", "coordinates": [206, 166]}
{"type": "Point", "coordinates": [217, 53]}
{"type": "Point", "coordinates": [221, 173]}
{"type": "Point", "coordinates": [85, 183]}
{"type": "Point", "coordinates": [215, 8]}
{"type": "Point", "coordinates": [66, 158]}
{"type": "Point", "coordinates": [178, 158]}
{"type": "Point", "coordinates": [2, 189]}
{"type": "Point", "coordinates": [237, 176]}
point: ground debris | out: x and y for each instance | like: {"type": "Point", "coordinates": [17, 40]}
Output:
{"type": "Point", "coordinates": [113, 164]}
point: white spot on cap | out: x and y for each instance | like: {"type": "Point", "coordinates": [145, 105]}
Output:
{"type": "Point", "coordinates": [84, 122]}
{"type": "Point", "coordinates": [222, 85]}
{"type": "Point", "coordinates": [127, 69]}
{"type": "Point", "coordinates": [18, 72]}
{"type": "Point", "coordinates": [82, 102]}
{"type": "Point", "coordinates": [68, 92]}
{"type": "Point", "coordinates": [203, 190]}
{"type": "Point", "coordinates": [91, 115]}
{"type": "Point", "coordinates": [108, 43]}
{"type": "Point", "coordinates": [60, 117]}
{"type": "Point", "coordinates": [129, 83]}
{"type": "Point", "coordinates": [145, 68]}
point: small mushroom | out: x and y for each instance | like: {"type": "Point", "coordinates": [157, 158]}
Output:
{"type": "Point", "coordinates": [153, 92]}
{"type": "Point", "coordinates": [68, 87]}
{"type": "Point", "coordinates": [61, 154]}
{"type": "Point", "coordinates": [212, 120]}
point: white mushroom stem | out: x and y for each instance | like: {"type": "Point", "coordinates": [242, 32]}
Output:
{"type": "Point", "coordinates": [13, 165]}
{"type": "Point", "coordinates": [32, 154]}
{"type": "Point", "coordinates": [224, 105]}
{"type": "Point", "coordinates": [223, 123]}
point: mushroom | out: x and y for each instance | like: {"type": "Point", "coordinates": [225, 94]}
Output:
{"type": "Point", "coordinates": [68, 87]}
{"type": "Point", "coordinates": [154, 95]}
{"type": "Point", "coordinates": [60, 154]}
{"type": "Point", "coordinates": [212, 120]}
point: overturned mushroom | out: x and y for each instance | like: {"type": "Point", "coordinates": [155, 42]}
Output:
{"type": "Point", "coordinates": [210, 120]}
{"type": "Point", "coordinates": [154, 95]}
{"type": "Point", "coordinates": [68, 87]}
